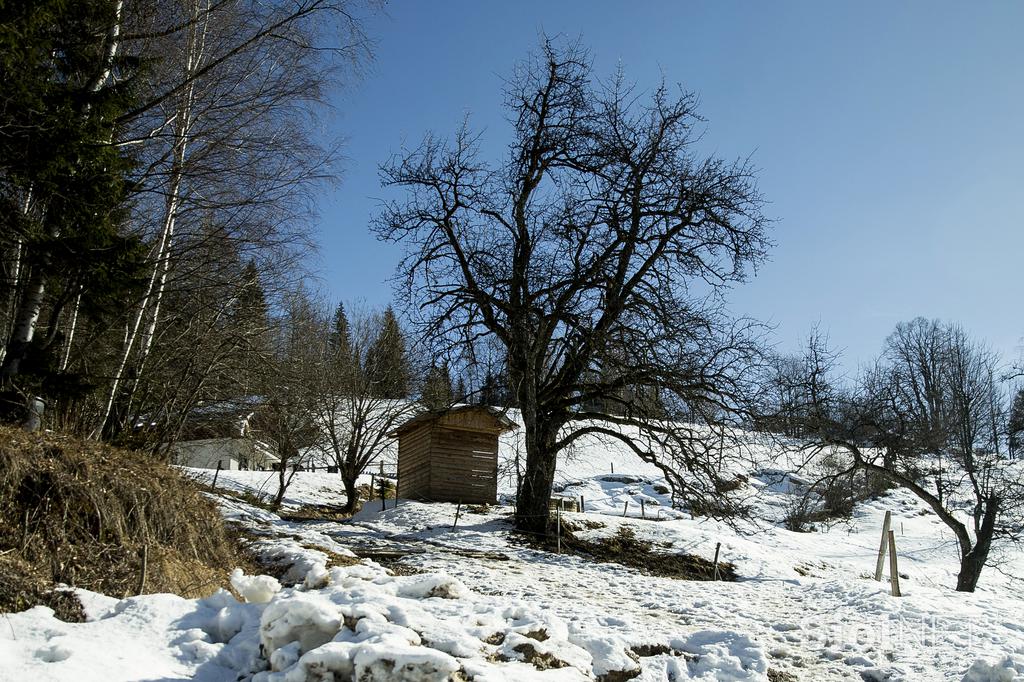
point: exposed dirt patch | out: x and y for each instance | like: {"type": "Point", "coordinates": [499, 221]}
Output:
{"type": "Point", "coordinates": [627, 549]}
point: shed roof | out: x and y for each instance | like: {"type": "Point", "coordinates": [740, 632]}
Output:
{"type": "Point", "coordinates": [496, 420]}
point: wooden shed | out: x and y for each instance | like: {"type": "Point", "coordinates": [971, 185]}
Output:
{"type": "Point", "coordinates": [451, 456]}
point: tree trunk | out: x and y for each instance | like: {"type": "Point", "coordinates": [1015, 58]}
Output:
{"type": "Point", "coordinates": [974, 560]}
{"type": "Point", "coordinates": [535, 491]}
{"type": "Point", "coordinates": [24, 325]}
{"type": "Point", "coordinates": [351, 495]}
{"type": "Point", "coordinates": [970, 570]}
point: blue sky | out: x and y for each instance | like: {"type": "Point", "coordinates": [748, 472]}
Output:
{"type": "Point", "coordinates": [889, 137]}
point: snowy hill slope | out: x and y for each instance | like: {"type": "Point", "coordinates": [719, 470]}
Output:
{"type": "Point", "coordinates": [804, 607]}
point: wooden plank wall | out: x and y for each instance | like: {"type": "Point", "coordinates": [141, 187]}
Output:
{"type": "Point", "coordinates": [474, 420]}
{"type": "Point", "coordinates": [414, 463]}
{"type": "Point", "coordinates": [463, 466]}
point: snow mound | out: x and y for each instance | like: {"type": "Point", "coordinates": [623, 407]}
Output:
{"type": "Point", "coordinates": [1010, 669]}
{"type": "Point", "coordinates": [255, 589]}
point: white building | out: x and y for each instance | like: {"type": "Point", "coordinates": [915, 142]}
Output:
{"type": "Point", "coordinates": [220, 434]}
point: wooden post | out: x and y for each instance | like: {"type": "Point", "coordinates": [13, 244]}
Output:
{"type": "Point", "coordinates": [894, 570]}
{"type": "Point", "coordinates": [625, 508]}
{"type": "Point", "coordinates": [215, 475]}
{"type": "Point", "coordinates": [145, 567]}
{"type": "Point", "coordinates": [558, 527]}
{"type": "Point", "coordinates": [882, 547]}
{"type": "Point", "coordinates": [613, 467]}
{"type": "Point", "coordinates": [718, 547]}
{"type": "Point", "coordinates": [581, 505]}
{"type": "Point", "coordinates": [643, 509]}
{"type": "Point", "coordinates": [458, 510]}
{"type": "Point", "coordinates": [397, 481]}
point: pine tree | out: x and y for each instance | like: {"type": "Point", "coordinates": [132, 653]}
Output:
{"type": "Point", "coordinates": [64, 184]}
{"type": "Point", "coordinates": [436, 393]}
{"type": "Point", "coordinates": [1015, 426]}
{"type": "Point", "coordinates": [249, 321]}
{"type": "Point", "coordinates": [340, 340]}
{"type": "Point", "coordinates": [387, 363]}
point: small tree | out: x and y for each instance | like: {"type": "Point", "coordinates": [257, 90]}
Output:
{"type": "Point", "coordinates": [437, 392]}
{"type": "Point", "coordinates": [285, 415]}
{"type": "Point", "coordinates": [355, 418]}
{"type": "Point", "coordinates": [920, 419]}
{"type": "Point", "coordinates": [387, 362]}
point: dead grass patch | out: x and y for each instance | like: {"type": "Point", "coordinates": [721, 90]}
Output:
{"type": "Point", "coordinates": [89, 515]}
{"type": "Point", "coordinates": [626, 549]}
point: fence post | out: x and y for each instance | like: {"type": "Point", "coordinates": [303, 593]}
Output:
{"type": "Point", "coordinates": [558, 526]}
{"type": "Point", "coordinates": [894, 571]}
{"type": "Point", "coordinates": [582, 509]}
{"type": "Point", "coordinates": [718, 546]}
{"type": "Point", "coordinates": [881, 548]}
{"type": "Point", "coordinates": [458, 510]}
{"type": "Point", "coordinates": [625, 508]}
{"type": "Point", "coordinates": [643, 509]}
{"type": "Point", "coordinates": [215, 475]}
{"type": "Point", "coordinates": [613, 466]}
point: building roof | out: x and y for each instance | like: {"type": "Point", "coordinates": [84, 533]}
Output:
{"type": "Point", "coordinates": [469, 417]}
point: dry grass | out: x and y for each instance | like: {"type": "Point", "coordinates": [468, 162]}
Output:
{"type": "Point", "coordinates": [89, 515]}
{"type": "Point", "coordinates": [625, 548]}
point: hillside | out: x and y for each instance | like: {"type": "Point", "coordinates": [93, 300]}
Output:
{"type": "Point", "coordinates": [408, 589]}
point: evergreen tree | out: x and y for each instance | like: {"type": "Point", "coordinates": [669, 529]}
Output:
{"type": "Point", "coordinates": [460, 392]}
{"type": "Point", "coordinates": [1015, 426]}
{"type": "Point", "coordinates": [387, 363]}
{"type": "Point", "coordinates": [436, 393]}
{"type": "Point", "coordinates": [340, 338]}
{"type": "Point", "coordinates": [249, 321]}
{"type": "Point", "coordinates": [63, 185]}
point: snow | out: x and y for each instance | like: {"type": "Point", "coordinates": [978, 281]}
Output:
{"type": "Point", "coordinates": [481, 605]}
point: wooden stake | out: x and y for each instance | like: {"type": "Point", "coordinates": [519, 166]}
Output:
{"type": "Point", "coordinates": [581, 504]}
{"type": "Point", "coordinates": [458, 510]}
{"type": "Point", "coordinates": [718, 546]}
{"type": "Point", "coordinates": [643, 509]}
{"type": "Point", "coordinates": [145, 568]}
{"type": "Point", "coordinates": [558, 526]}
{"type": "Point", "coordinates": [894, 571]}
{"type": "Point", "coordinates": [880, 565]}
{"type": "Point", "coordinates": [613, 467]}
{"type": "Point", "coordinates": [625, 508]}
{"type": "Point", "coordinates": [215, 475]}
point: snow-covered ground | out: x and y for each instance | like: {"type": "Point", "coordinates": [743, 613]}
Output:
{"type": "Point", "coordinates": [478, 605]}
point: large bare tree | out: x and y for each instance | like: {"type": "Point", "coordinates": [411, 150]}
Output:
{"type": "Point", "coordinates": [596, 252]}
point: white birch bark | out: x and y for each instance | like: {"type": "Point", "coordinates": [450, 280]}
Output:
{"type": "Point", "coordinates": [149, 307]}
{"type": "Point", "coordinates": [31, 305]}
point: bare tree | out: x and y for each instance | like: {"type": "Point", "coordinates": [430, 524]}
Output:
{"type": "Point", "coordinates": [920, 419]}
{"type": "Point", "coordinates": [348, 405]}
{"type": "Point", "coordinates": [285, 415]}
{"type": "Point", "coordinates": [603, 230]}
